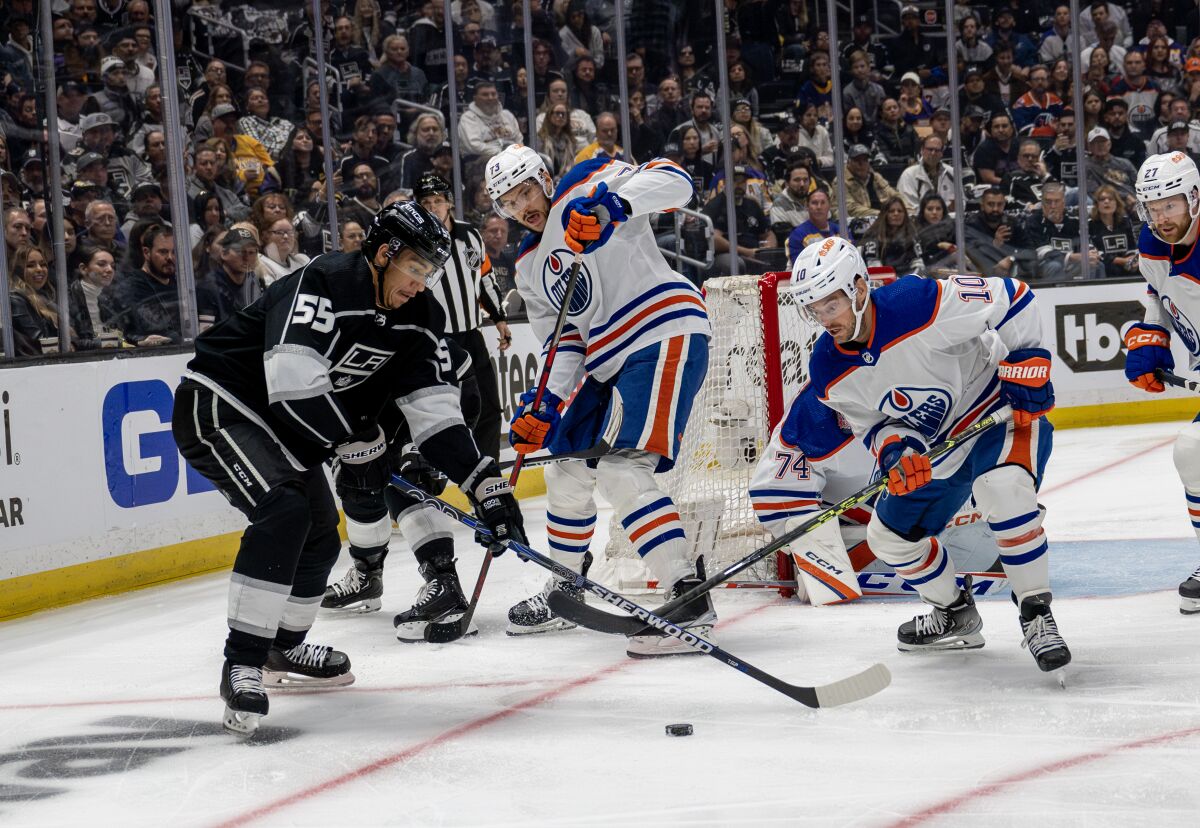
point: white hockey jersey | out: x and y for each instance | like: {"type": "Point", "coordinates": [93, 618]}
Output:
{"type": "Point", "coordinates": [929, 369]}
{"type": "Point", "coordinates": [1173, 289]}
{"type": "Point", "coordinates": [627, 297]}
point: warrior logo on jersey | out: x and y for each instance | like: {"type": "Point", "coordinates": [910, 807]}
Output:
{"type": "Point", "coordinates": [924, 409]}
{"type": "Point", "coordinates": [555, 272]}
{"type": "Point", "coordinates": [1182, 325]}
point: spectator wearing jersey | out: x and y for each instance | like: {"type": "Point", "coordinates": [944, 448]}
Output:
{"type": "Point", "coordinates": [997, 153]}
{"type": "Point", "coordinates": [269, 130]}
{"type": "Point", "coordinates": [818, 89]}
{"type": "Point", "coordinates": [911, 50]}
{"type": "Point", "coordinates": [1023, 183]}
{"type": "Point", "coordinates": [249, 159]}
{"type": "Point", "coordinates": [1139, 91]}
{"type": "Point", "coordinates": [1038, 109]}
{"type": "Point", "coordinates": [818, 225]}
{"type": "Point", "coordinates": [1056, 40]}
{"type": "Point", "coordinates": [1106, 169]}
{"type": "Point", "coordinates": [605, 144]}
{"type": "Point", "coordinates": [1111, 232]}
{"type": "Point", "coordinates": [1178, 135]}
{"type": "Point", "coordinates": [1004, 35]}
{"type": "Point", "coordinates": [1179, 111]}
{"type": "Point", "coordinates": [1054, 238]}
{"type": "Point", "coordinates": [914, 107]}
{"type": "Point", "coordinates": [397, 77]}
{"type": "Point", "coordinates": [1060, 159]}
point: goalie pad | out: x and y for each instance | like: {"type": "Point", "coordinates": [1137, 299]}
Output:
{"type": "Point", "coordinates": [823, 565]}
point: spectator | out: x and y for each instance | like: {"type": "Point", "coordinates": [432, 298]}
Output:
{"type": "Point", "coordinates": [1056, 39]}
{"type": "Point", "coordinates": [556, 140]}
{"type": "Point", "coordinates": [586, 93]}
{"type": "Point", "coordinates": [1061, 159]}
{"type": "Point", "coordinates": [814, 136]}
{"type": "Point", "coordinates": [219, 95]}
{"type": "Point", "coordinates": [426, 136]}
{"type": "Point", "coordinates": [268, 209]}
{"type": "Point", "coordinates": [997, 153]}
{"type": "Point", "coordinates": [500, 253]}
{"type": "Point", "coordinates": [249, 159]}
{"type": "Point", "coordinates": [362, 149]}
{"type": "Point", "coordinates": [1179, 110]}
{"type": "Point", "coordinates": [33, 174]}
{"type": "Point", "coordinates": [299, 165]}
{"type": "Point", "coordinates": [579, 38]}
{"type": "Point", "coordinates": [856, 130]}
{"type": "Point", "coordinates": [214, 75]}
{"type": "Point", "coordinates": [990, 235]}
{"type": "Point", "coordinates": [89, 312]}
{"type": "Point", "coordinates": [931, 174]}
{"type": "Point", "coordinates": [1106, 169]}
{"type": "Point", "coordinates": [668, 111]}
{"type": "Point", "coordinates": [1138, 91]}
{"type": "Point", "coordinates": [817, 226]}
{"type": "Point", "coordinates": [935, 232]}
{"type": "Point", "coordinates": [1178, 139]}
{"type": "Point", "coordinates": [789, 209]}
{"type": "Point", "coordinates": [702, 120]}
{"type": "Point", "coordinates": [866, 189]}
{"type": "Point", "coordinates": [862, 92]}
{"type": "Point", "coordinates": [124, 46]}
{"type": "Point", "coordinates": [1023, 183]}
{"type": "Point", "coordinates": [1054, 238]}
{"type": "Point", "coordinates": [100, 222]}
{"type": "Point", "coordinates": [206, 167]}
{"type": "Point", "coordinates": [207, 213]}
{"type": "Point", "coordinates": [606, 140]}
{"type": "Point", "coordinates": [258, 123]}
{"type": "Point", "coordinates": [694, 161]}
{"type": "Point", "coordinates": [974, 93]}
{"type": "Point", "coordinates": [743, 115]}
{"type": "Point", "coordinates": [1104, 60]}
{"type": "Point", "coordinates": [783, 148]}
{"type": "Point", "coordinates": [543, 69]}
{"type": "Point", "coordinates": [1037, 109]}
{"type": "Point", "coordinates": [351, 236]}
{"type": "Point", "coordinates": [1126, 143]}
{"type": "Point", "coordinates": [895, 139]}
{"type": "Point", "coordinates": [148, 204]}
{"type": "Point", "coordinates": [362, 191]}
{"type": "Point", "coordinates": [970, 47]}
{"type": "Point", "coordinates": [911, 50]}
{"type": "Point", "coordinates": [757, 186]}
{"type": "Point", "coordinates": [913, 105]}
{"type": "Point", "coordinates": [232, 284]}
{"type": "Point", "coordinates": [1189, 86]}
{"type": "Point", "coordinates": [397, 77]}
{"type": "Point", "coordinates": [71, 100]}
{"type": "Point", "coordinates": [17, 230]}
{"type": "Point", "coordinates": [741, 86]}
{"type": "Point", "coordinates": [280, 256]}
{"type": "Point", "coordinates": [1111, 231]}
{"type": "Point", "coordinates": [1093, 16]}
{"type": "Point", "coordinates": [580, 123]}
{"type": "Point", "coordinates": [635, 77]}
{"type": "Point", "coordinates": [1004, 35]}
{"type": "Point", "coordinates": [892, 240]}
{"type": "Point", "coordinates": [691, 78]}
{"type": "Point", "coordinates": [645, 142]}
{"type": "Point", "coordinates": [1093, 105]}
{"type": "Point", "coordinates": [861, 40]}
{"type": "Point", "coordinates": [818, 89]}
{"type": "Point", "coordinates": [752, 232]}
{"type": "Point", "coordinates": [146, 301]}
{"type": "Point", "coordinates": [486, 128]}
{"type": "Point", "coordinates": [1005, 80]}
{"type": "Point", "coordinates": [114, 99]}
{"type": "Point", "coordinates": [32, 301]}
{"type": "Point", "coordinates": [353, 63]}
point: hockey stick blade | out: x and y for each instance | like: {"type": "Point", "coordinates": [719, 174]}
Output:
{"type": "Point", "coordinates": [854, 688]}
{"type": "Point", "coordinates": [594, 618]}
{"type": "Point", "coordinates": [436, 633]}
{"type": "Point", "coordinates": [1169, 378]}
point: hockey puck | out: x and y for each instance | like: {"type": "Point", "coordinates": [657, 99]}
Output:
{"type": "Point", "coordinates": [679, 729]}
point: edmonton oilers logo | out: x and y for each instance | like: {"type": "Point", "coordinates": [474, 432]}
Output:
{"type": "Point", "coordinates": [924, 409]}
{"type": "Point", "coordinates": [1182, 325]}
{"type": "Point", "coordinates": [555, 272]}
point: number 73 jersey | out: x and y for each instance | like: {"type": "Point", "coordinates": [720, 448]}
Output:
{"type": "Point", "coordinates": [929, 367]}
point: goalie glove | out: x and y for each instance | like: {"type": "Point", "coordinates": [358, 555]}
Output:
{"type": "Point", "coordinates": [903, 462]}
{"type": "Point", "coordinates": [1149, 349]}
{"type": "Point", "coordinates": [495, 506]}
{"type": "Point", "coordinates": [1025, 384]}
{"type": "Point", "coordinates": [589, 221]}
{"type": "Point", "coordinates": [532, 428]}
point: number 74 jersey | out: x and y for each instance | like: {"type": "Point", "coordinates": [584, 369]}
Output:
{"type": "Point", "coordinates": [929, 367]}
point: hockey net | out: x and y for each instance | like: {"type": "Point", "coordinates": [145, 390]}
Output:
{"type": "Point", "coordinates": [758, 361]}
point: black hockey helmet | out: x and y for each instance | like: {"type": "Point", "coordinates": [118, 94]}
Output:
{"type": "Point", "coordinates": [408, 224]}
{"type": "Point", "coordinates": [429, 184]}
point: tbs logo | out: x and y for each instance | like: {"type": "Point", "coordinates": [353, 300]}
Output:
{"type": "Point", "coordinates": [1090, 337]}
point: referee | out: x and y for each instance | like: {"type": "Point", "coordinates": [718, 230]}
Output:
{"type": "Point", "coordinates": [468, 287]}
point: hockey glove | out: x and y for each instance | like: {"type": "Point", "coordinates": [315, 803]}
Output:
{"type": "Point", "coordinates": [1149, 349]}
{"type": "Point", "coordinates": [495, 506]}
{"type": "Point", "coordinates": [902, 459]}
{"type": "Point", "coordinates": [416, 470]}
{"type": "Point", "coordinates": [1025, 384]}
{"type": "Point", "coordinates": [361, 465]}
{"type": "Point", "coordinates": [531, 428]}
{"type": "Point", "coordinates": [590, 220]}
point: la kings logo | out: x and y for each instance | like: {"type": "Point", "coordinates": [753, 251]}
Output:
{"type": "Point", "coordinates": [924, 409]}
{"type": "Point", "coordinates": [360, 362]}
{"type": "Point", "coordinates": [1089, 337]}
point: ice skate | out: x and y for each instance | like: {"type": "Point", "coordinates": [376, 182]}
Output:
{"type": "Point", "coordinates": [307, 666]}
{"type": "Point", "coordinates": [439, 600]}
{"type": "Point", "coordinates": [245, 699]}
{"type": "Point", "coordinates": [359, 590]}
{"type": "Point", "coordinates": [1041, 633]}
{"type": "Point", "coordinates": [533, 615]}
{"type": "Point", "coordinates": [697, 617]}
{"type": "Point", "coordinates": [954, 627]}
{"type": "Point", "coordinates": [1189, 594]}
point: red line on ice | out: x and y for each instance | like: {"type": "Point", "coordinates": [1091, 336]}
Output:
{"type": "Point", "coordinates": [1106, 467]}
{"type": "Point", "coordinates": [456, 732]}
{"type": "Point", "coordinates": [1003, 784]}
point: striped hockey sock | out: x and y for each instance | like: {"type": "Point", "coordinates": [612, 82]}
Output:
{"type": "Point", "coordinates": [656, 532]}
{"type": "Point", "coordinates": [1024, 552]}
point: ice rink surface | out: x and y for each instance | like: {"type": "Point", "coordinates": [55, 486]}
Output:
{"type": "Point", "coordinates": [109, 713]}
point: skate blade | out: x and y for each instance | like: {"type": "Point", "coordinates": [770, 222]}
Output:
{"type": "Point", "coordinates": [664, 646]}
{"type": "Point", "coordinates": [414, 632]}
{"type": "Point", "coordinates": [284, 681]}
{"type": "Point", "coordinates": [357, 608]}
{"type": "Point", "coordinates": [240, 723]}
{"type": "Point", "coordinates": [1189, 606]}
{"type": "Point", "coordinates": [553, 625]}
{"type": "Point", "coordinates": [973, 641]}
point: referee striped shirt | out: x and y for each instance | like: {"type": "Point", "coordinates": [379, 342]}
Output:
{"type": "Point", "coordinates": [468, 287]}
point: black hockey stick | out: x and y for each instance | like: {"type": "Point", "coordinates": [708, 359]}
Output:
{"type": "Point", "coordinates": [850, 689]}
{"type": "Point", "coordinates": [597, 619]}
{"type": "Point", "coordinates": [1167, 378]}
{"type": "Point", "coordinates": [436, 633]}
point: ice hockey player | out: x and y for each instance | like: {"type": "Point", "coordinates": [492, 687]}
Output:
{"type": "Point", "coordinates": [369, 515]}
{"type": "Point", "coordinates": [286, 384]}
{"type": "Point", "coordinates": [813, 462]}
{"type": "Point", "coordinates": [907, 366]}
{"type": "Point", "coordinates": [1168, 192]}
{"type": "Point", "coordinates": [636, 337]}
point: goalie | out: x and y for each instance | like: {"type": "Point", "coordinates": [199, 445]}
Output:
{"type": "Point", "coordinates": [813, 462]}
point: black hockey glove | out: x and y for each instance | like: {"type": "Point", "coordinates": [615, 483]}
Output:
{"type": "Point", "coordinates": [495, 506]}
{"type": "Point", "coordinates": [361, 465]}
{"type": "Point", "coordinates": [416, 470]}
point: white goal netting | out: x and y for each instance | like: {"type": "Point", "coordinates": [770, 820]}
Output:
{"type": "Point", "coordinates": [758, 360]}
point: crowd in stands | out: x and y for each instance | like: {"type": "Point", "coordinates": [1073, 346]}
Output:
{"type": "Point", "coordinates": [256, 191]}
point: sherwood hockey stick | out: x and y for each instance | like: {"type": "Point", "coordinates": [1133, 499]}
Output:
{"type": "Point", "coordinates": [1167, 378]}
{"type": "Point", "coordinates": [454, 630]}
{"type": "Point", "coordinates": [851, 689]}
{"type": "Point", "coordinates": [597, 619]}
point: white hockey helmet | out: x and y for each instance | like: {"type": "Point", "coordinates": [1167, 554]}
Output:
{"type": "Point", "coordinates": [1166, 175]}
{"type": "Point", "coordinates": [511, 166]}
{"type": "Point", "coordinates": [826, 267]}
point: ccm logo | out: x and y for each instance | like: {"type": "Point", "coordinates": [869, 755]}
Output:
{"type": "Point", "coordinates": [1136, 339]}
{"type": "Point", "coordinates": [826, 565]}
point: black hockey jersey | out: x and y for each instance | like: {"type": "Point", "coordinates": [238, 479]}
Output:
{"type": "Point", "coordinates": [314, 360]}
